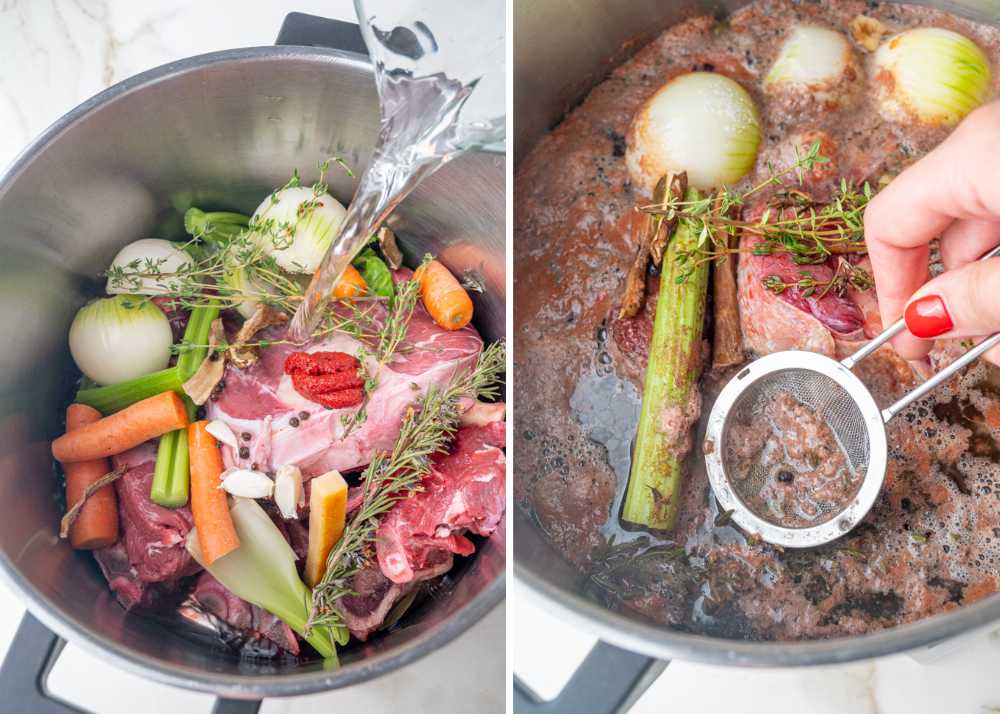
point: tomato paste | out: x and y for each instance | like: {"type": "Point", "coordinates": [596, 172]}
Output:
{"type": "Point", "coordinates": [328, 378]}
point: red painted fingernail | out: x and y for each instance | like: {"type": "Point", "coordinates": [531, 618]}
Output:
{"type": "Point", "coordinates": [928, 317]}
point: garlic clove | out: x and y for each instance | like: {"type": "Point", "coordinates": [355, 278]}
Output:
{"type": "Point", "coordinates": [247, 484]}
{"type": "Point", "coordinates": [221, 431]}
{"type": "Point", "coordinates": [288, 491]}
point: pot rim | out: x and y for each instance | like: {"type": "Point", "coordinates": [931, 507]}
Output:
{"type": "Point", "coordinates": [231, 686]}
{"type": "Point", "coordinates": [663, 643]}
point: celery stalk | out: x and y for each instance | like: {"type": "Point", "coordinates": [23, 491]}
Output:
{"type": "Point", "coordinates": [115, 397]}
{"type": "Point", "coordinates": [663, 437]}
{"type": "Point", "coordinates": [172, 476]}
{"type": "Point", "coordinates": [215, 226]}
{"type": "Point", "coordinates": [196, 333]}
{"type": "Point", "coordinates": [262, 571]}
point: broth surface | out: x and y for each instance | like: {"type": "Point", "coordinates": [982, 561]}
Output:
{"type": "Point", "coordinates": [932, 541]}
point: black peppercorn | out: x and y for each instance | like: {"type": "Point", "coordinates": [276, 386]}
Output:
{"type": "Point", "coordinates": [253, 466]}
{"type": "Point", "coordinates": [786, 476]}
{"type": "Point", "coordinates": [244, 452]}
{"type": "Point", "coordinates": [293, 422]}
{"type": "Point", "coordinates": [303, 415]}
{"type": "Point", "coordinates": [246, 436]}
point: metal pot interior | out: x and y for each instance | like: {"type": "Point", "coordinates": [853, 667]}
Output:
{"type": "Point", "coordinates": [225, 128]}
{"type": "Point", "coordinates": [556, 63]}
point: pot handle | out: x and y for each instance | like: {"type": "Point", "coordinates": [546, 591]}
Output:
{"type": "Point", "coordinates": [608, 681]}
{"type": "Point", "coordinates": [29, 661]}
{"type": "Point", "coordinates": [313, 31]}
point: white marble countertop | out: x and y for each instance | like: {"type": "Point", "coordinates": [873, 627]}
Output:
{"type": "Point", "coordinates": [957, 677]}
{"type": "Point", "coordinates": [56, 54]}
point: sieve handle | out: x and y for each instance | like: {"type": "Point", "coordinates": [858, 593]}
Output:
{"type": "Point", "coordinates": [942, 376]}
{"type": "Point", "coordinates": [893, 330]}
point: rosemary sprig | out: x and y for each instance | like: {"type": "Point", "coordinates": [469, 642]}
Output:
{"type": "Point", "coordinates": [427, 429]}
{"type": "Point", "coordinates": [792, 222]}
{"type": "Point", "coordinates": [636, 568]}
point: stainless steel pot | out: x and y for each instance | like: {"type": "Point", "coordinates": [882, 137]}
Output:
{"type": "Point", "coordinates": [224, 128]}
{"type": "Point", "coordinates": [562, 48]}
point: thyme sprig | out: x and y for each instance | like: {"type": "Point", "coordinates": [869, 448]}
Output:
{"type": "Point", "coordinates": [428, 427]}
{"type": "Point", "coordinates": [235, 265]}
{"type": "Point", "coordinates": [792, 223]}
{"type": "Point", "coordinates": [390, 338]}
{"type": "Point", "coordinates": [844, 276]}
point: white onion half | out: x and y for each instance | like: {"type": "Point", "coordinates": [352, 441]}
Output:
{"type": "Point", "coordinates": [815, 61]}
{"type": "Point", "coordinates": [702, 123]}
{"type": "Point", "coordinates": [298, 239]}
{"type": "Point", "coordinates": [931, 75]}
{"type": "Point", "coordinates": [147, 267]}
{"type": "Point", "coordinates": [112, 343]}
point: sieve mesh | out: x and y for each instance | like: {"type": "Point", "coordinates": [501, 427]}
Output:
{"type": "Point", "coordinates": [751, 415]}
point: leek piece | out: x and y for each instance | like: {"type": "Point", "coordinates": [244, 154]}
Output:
{"type": "Point", "coordinates": [262, 571]}
{"type": "Point", "coordinates": [115, 397]}
{"type": "Point", "coordinates": [663, 438]}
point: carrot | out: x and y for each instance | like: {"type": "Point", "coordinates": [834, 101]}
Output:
{"type": "Point", "coordinates": [444, 297]}
{"type": "Point", "coordinates": [351, 284]}
{"type": "Point", "coordinates": [209, 504]}
{"type": "Point", "coordinates": [327, 517]}
{"type": "Point", "coordinates": [97, 524]}
{"type": "Point", "coordinates": [122, 430]}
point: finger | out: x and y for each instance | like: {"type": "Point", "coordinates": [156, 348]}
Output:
{"type": "Point", "coordinates": [957, 180]}
{"type": "Point", "coordinates": [952, 182]}
{"type": "Point", "coordinates": [967, 240]}
{"type": "Point", "coordinates": [898, 274]}
{"type": "Point", "coordinates": [993, 356]}
{"type": "Point", "coordinates": [960, 303]}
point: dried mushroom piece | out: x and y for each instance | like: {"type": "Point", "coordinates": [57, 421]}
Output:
{"type": "Point", "coordinates": [867, 32]}
{"type": "Point", "coordinates": [676, 186]}
{"type": "Point", "coordinates": [387, 243]}
{"type": "Point", "coordinates": [240, 353]}
{"type": "Point", "coordinates": [727, 342]}
{"type": "Point", "coordinates": [209, 374]}
{"type": "Point", "coordinates": [654, 231]}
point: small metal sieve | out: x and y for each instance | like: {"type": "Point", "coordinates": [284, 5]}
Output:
{"type": "Point", "coordinates": [842, 402]}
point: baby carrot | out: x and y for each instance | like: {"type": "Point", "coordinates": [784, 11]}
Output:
{"type": "Point", "coordinates": [209, 503]}
{"type": "Point", "coordinates": [351, 284]}
{"type": "Point", "coordinates": [97, 524]}
{"type": "Point", "coordinates": [122, 430]}
{"type": "Point", "coordinates": [444, 297]}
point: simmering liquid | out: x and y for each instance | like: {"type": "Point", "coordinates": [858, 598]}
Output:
{"type": "Point", "coordinates": [931, 542]}
{"type": "Point", "coordinates": [787, 466]}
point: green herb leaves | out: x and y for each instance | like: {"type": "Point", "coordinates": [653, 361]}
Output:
{"type": "Point", "coordinates": [375, 272]}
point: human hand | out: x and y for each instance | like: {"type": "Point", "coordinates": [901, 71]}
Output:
{"type": "Point", "coordinates": [954, 193]}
